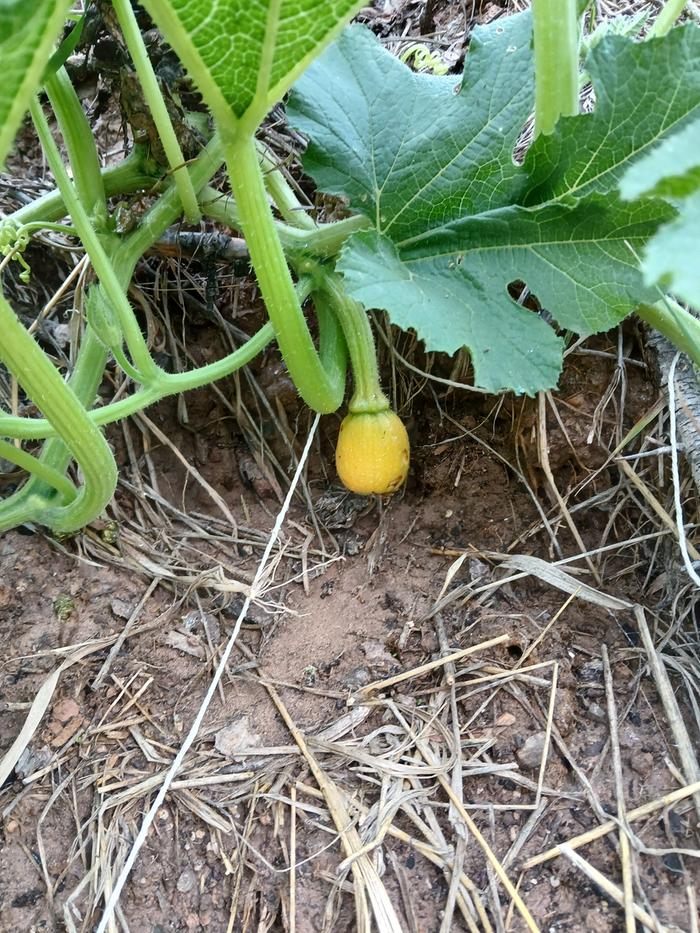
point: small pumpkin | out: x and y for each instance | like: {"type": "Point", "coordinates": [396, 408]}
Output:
{"type": "Point", "coordinates": [373, 452]}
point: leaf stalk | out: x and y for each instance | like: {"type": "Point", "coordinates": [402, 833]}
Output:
{"type": "Point", "coordinates": [676, 324]}
{"type": "Point", "coordinates": [556, 38]}
{"type": "Point", "coordinates": [321, 386]}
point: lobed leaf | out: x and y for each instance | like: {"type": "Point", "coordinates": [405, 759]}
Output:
{"type": "Point", "coordinates": [245, 54]}
{"type": "Point", "coordinates": [457, 222]}
{"type": "Point", "coordinates": [412, 151]}
{"type": "Point", "coordinates": [27, 34]}
{"type": "Point", "coordinates": [582, 260]}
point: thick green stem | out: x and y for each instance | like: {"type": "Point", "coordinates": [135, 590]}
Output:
{"type": "Point", "coordinates": [154, 98]}
{"type": "Point", "coordinates": [368, 395]}
{"type": "Point", "coordinates": [282, 193]}
{"type": "Point", "coordinates": [79, 141]}
{"type": "Point", "coordinates": [43, 383]}
{"type": "Point", "coordinates": [675, 323]}
{"type": "Point", "coordinates": [325, 241]}
{"type": "Point", "coordinates": [322, 242]}
{"type": "Point", "coordinates": [333, 350]}
{"type": "Point", "coordinates": [30, 502]}
{"type": "Point", "coordinates": [555, 30]}
{"type": "Point", "coordinates": [666, 18]}
{"type": "Point", "coordinates": [125, 178]}
{"type": "Point", "coordinates": [321, 388]}
{"type": "Point", "coordinates": [84, 382]}
{"type": "Point", "coordinates": [138, 349]}
{"type": "Point", "coordinates": [25, 461]}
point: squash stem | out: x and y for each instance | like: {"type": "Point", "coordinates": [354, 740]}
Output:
{"type": "Point", "coordinates": [674, 322]}
{"type": "Point", "coordinates": [664, 22]}
{"type": "Point", "coordinates": [44, 385]}
{"type": "Point", "coordinates": [368, 396]}
{"type": "Point", "coordinates": [555, 31]}
{"type": "Point", "coordinates": [321, 386]}
{"type": "Point", "coordinates": [79, 141]}
{"type": "Point", "coordinates": [29, 463]}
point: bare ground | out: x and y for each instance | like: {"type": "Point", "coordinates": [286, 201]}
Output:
{"type": "Point", "coordinates": [218, 855]}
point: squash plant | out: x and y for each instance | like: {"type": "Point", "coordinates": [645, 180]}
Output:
{"type": "Point", "coordinates": [444, 222]}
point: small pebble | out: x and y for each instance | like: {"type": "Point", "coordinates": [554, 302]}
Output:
{"type": "Point", "coordinates": [642, 763]}
{"type": "Point", "coordinates": [595, 711]}
{"type": "Point", "coordinates": [186, 881]}
{"type": "Point", "coordinates": [530, 755]}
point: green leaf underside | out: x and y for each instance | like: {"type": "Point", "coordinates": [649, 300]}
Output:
{"type": "Point", "coordinates": [27, 34]}
{"type": "Point", "coordinates": [582, 259]}
{"type": "Point", "coordinates": [457, 221]}
{"type": "Point", "coordinates": [672, 257]}
{"type": "Point", "coordinates": [226, 44]}
{"type": "Point", "coordinates": [511, 347]}
{"type": "Point", "coordinates": [672, 169]}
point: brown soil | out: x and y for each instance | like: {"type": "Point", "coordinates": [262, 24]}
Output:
{"type": "Point", "coordinates": [364, 617]}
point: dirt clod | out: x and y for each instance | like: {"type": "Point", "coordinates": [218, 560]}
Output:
{"type": "Point", "coordinates": [186, 881]}
{"type": "Point", "coordinates": [530, 755]}
{"type": "Point", "coordinates": [65, 709]}
{"type": "Point", "coordinates": [237, 737]}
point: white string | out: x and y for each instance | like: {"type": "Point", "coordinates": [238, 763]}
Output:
{"type": "Point", "coordinates": [192, 734]}
{"type": "Point", "coordinates": [682, 543]}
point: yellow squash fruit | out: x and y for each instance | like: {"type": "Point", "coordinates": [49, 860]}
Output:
{"type": "Point", "coordinates": [373, 452]}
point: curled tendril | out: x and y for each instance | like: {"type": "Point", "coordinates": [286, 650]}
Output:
{"type": "Point", "coordinates": [424, 59]}
{"type": "Point", "coordinates": [14, 237]}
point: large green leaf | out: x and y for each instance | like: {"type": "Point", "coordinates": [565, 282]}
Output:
{"type": "Point", "coordinates": [457, 221]}
{"type": "Point", "coordinates": [409, 149]}
{"type": "Point", "coordinates": [245, 54]}
{"type": "Point", "coordinates": [27, 34]}
{"type": "Point", "coordinates": [645, 92]}
{"type": "Point", "coordinates": [452, 286]}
